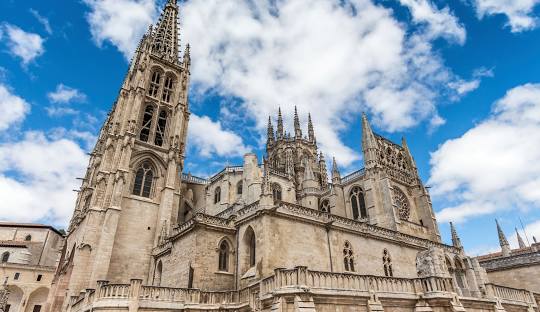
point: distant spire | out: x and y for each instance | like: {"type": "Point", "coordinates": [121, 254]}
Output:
{"type": "Point", "coordinates": [369, 144]}
{"type": "Point", "coordinates": [456, 242]}
{"type": "Point", "coordinates": [336, 176]}
{"type": "Point", "coordinates": [297, 129]}
{"type": "Point", "coordinates": [324, 172]}
{"type": "Point", "coordinates": [165, 43]}
{"type": "Point", "coordinates": [280, 133]}
{"type": "Point", "coordinates": [408, 152]}
{"type": "Point", "coordinates": [270, 133]}
{"type": "Point", "coordinates": [505, 246]}
{"type": "Point", "coordinates": [311, 132]}
{"type": "Point", "coordinates": [521, 243]}
{"type": "Point", "coordinates": [266, 189]}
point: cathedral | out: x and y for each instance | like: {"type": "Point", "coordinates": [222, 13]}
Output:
{"type": "Point", "coordinates": [278, 233]}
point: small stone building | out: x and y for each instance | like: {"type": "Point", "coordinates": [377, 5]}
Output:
{"type": "Point", "coordinates": [29, 256]}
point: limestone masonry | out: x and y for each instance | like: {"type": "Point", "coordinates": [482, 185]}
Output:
{"type": "Point", "coordinates": [272, 234]}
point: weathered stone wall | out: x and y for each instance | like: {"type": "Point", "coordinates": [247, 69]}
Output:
{"type": "Point", "coordinates": [527, 277]}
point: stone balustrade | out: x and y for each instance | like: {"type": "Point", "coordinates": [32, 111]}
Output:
{"type": "Point", "coordinates": [508, 293]}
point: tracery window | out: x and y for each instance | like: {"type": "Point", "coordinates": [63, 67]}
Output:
{"type": "Point", "coordinates": [157, 274]}
{"type": "Point", "coordinates": [146, 123]}
{"type": "Point", "coordinates": [402, 204]}
{"type": "Point", "coordinates": [28, 238]}
{"type": "Point", "coordinates": [358, 203]}
{"type": "Point", "coordinates": [5, 257]}
{"type": "Point", "coordinates": [143, 180]}
{"type": "Point", "coordinates": [325, 206]}
{"type": "Point", "coordinates": [276, 192]}
{"type": "Point", "coordinates": [348, 257]}
{"type": "Point", "coordinates": [160, 129]}
{"type": "Point", "coordinates": [224, 256]}
{"type": "Point", "coordinates": [459, 273]}
{"type": "Point", "coordinates": [153, 90]}
{"type": "Point", "coordinates": [239, 188]}
{"type": "Point", "coordinates": [252, 249]}
{"type": "Point", "coordinates": [217, 195]}
{"type": "Point", "coordinates": [167, 89]}
{"type": "Point", "coordinates": [87, 202]}
{"type": "Point", "coordinates": [387, 263]}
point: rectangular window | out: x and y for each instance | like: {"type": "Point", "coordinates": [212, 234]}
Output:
{"type": "Point", "coordinates": [37, 308]}
{"type": "Point", "coordinates": [17, 275]}
{"type": "Point", "coordinates": [39, 277]}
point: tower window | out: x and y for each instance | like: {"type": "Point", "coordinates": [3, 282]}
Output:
{"type": "Point", "coordinates": [146, 123]}
{"type": "Point", "coordinates": [224, 256]}
{"type": "Point", "coordinates": [239, 187]}
{"type": "Point", "coordinates": [39, 277]}
{"type": "Point", "coordinates": [143, 180]}
{"type": "Point", "coordinates": [167, 89]}
{"type": "Point", "coordinates": [402, 204]}
{"type": "Point", "coordinates": [387, 263]}
{"type": "Point", "coordinates": [325, 206]}
{"type": "Point", "coordinates": [160, 129]}
{"type": "Point", "coordinates": [358, 203]}
{"type": "Point", "coordinates": [252, 248]}
{"type": "Point", "coordinates": [217, 195]}
{"type": "Point", "coordinates": [5, 257]}
{"type": "Point", "coordinates": [153, 90]}
{"type": "Point", "coordinates": [17, 276]}
{"type": "Point", "coordinates": [276, 192]}
{"type": "Point", "coordinates": [28, 238]}
{"type": "Point", "coordinates": [348, 257]}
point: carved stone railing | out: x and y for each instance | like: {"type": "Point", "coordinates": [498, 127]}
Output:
{"type": "Point", "coordinates": [114, 291]}
{"type": "Point", "coordinates": [185, 295]}
{"type": "Point", "coordinates": [353, 176]}
{"type": "Point", "coordinates": [279, 173]}
{"type": "Point", "coordinates": [247, 209]}
{"type": "Point", "coordinates": [229, 169]}
{"type": "Point", "coordinates": [192, 179]}
{"type": "Point", "coordinates": [512, 294]}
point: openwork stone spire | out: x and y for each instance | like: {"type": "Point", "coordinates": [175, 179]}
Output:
{"type": "Point", "coordinates": [311, 132]}
{"type": "Point", "coordinates": [336, 176]}
{"type": "Point", "coordinates": [297, 129]}
{"type": "Point", "coordinates": [369, 143]}
{"type": "Point", "coordinates": [165, 41]}
{"type": "Point", "coordinates": [279, 124]}
{"type": "Point", "coordinates": [505, 246]}
{"type": "Point", "coordinates": [456, 242]}
{"type": "Point", "coordinates": [521, 243]}
{"type": "Point", "coordinates": [270, 133]}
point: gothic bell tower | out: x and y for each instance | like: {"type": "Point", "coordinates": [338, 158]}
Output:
{"type": "Point", "coordinates": [131, 190]}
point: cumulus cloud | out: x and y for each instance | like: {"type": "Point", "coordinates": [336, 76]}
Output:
{"type": "Point", "coordinates": [120, 22]}
{"type": "Point", "coordinates": [209, 138]}
{"type": "Point", "coordinates": [64, 94]}
{"type": "Point", "coordinates": [25, 45]}
{"type": "Point", "coordinates": [13, 108]}
{"type": "Point", "coordinates": [439, 22]}
{"type": "Point", "coordinates": [520, 13]}
{"type": "Point", "coordinates": [331, 58]}
{"type": "Point", "coordinates": [36, 184]}
{"type": "Point", "coordinates": [493, 166]}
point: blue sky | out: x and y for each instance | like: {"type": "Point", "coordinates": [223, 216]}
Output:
{"type": "Point", "coordinates": [459, 79]}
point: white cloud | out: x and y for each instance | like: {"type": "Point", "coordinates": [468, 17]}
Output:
{"type": "Point", "coordinates": [332, 58]}
{"type": "Point", "coordinates": [42, 20]}
{"type": "Point", "coordinates": [13, 108]}
{"type": "Point", "coordinates": [439, 22]}
{"type": "Point", "coordinates": [23, 44]}
{"type": "Point", "coordinates": [36, 184]}
{"type": "Point", "coordinates": [64, 94]}
{"type": "Point", "coordinates": [493, 166]}
{"type": "Point", "coordinates": [120, 22]}
{"type": "Point", "coordinates": [520, 13]}
{"type": "Point", "coordinates": [209, 137]}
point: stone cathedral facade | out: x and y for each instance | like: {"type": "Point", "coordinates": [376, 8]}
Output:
{"type": "Point", "coordinates": [281, 233]}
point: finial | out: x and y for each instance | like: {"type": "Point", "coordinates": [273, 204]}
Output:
{"type": "Point", "coordinates": [336, 176]}
{"type": "Point", "coordinates": [297, 129]}
{"type": "Point", "coordinates": [456, 242]}
{"type": "Point", "coordinates": [521, 243]}
{"type": "Point", "coordinates": [280, 124]}
{"type": "Point", "coordinates": [503, 242]}
{"type": "Point", "coordinates": [311, 132]}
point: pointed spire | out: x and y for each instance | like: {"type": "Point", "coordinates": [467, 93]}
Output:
{"type": "Point", "coordinates": [505, 246]}
{"type": "Point", "coordinates": [456, 242]}
{"type": "Point", "coordinates": [408, 152]}
{"type": "Point", "coordinates": [336, 176]}
{"type": "Point", "coordinates": [187, 57]}
{"type": "Point", "coordinates": [369, 143]}
{"type": "Point", "coordinates": [266, 188]}
{"type": "Point", "coordinates": [324, 172]}
{"type": "Point", "coordinates": [297, 129]}
{"type": "Point", "coordinates": [308, 173]}
{"type": "Point", "coordinates": [311, 132]}
{"type": "Point", "coordinates": [521, 243]}
{"type": "Point", "coordinates": [270, 134]}
{"type": "Point", "coordinates": [280, 133]}
{"type": "Point", "coordinates": [165, 43]}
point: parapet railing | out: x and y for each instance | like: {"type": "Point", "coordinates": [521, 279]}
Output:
{"type": "Point", "coordinates": [353, 176]}
{"type": "Point", "coordinates": [508, 293]}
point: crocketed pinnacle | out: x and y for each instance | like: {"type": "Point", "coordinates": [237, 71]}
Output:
{"type": "Point", "coordinates": [270, 132]}
{"type": "Point", "coordinates": [165, 41]}
{"type": "Point", "coordinates": [280, 133]}
{"type": "Point", "coordinates": [297, 129]}
{"type": "Point", "coordinates": [505, 246]}
{"type": "Point", "coordinates": [521, 243]}
{"type": "Point", "coordinates": [311, 132]}
{"type": "Point", "coordinates": [456, 242]}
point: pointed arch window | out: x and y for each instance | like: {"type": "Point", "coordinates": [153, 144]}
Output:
{"type": "Point", "coordinates": [224, 256]}
{"type": "Point", "coordinates": [160, 129]}
{"type": "Point", "coordinates": [459, 273]}
{"type": "Point", "coordinates": [276, 192]}
{"type": "Point", "coordinates": [239, 188]}
{"type": "Point", "coordinates": [387, 263]}
{"type": "Point", "coordinates": [157, 274]}
{"type": "Point", "coordinates": [155, 81]}
{"type": "Point", "coordinates": [146, 123]}
{"type": "Point", "coordinates": [325, 206]}
{"type": "Point", "coordinates": [252, 249]}
{"type": "Point", "coordinates": [402, 204]}
{"type": "Point", "coordinates": [358, 203]}
{"type": "Point", "coordinates": [217, 195]}
{"type": "Point", "coordinates": [348, 257]}
{"type": "Point", "coordinates": [87, 200]}
{"type": "Point", "coordinates": [168, 89]}
{"type": "Point", "coordinates": [5, 257]}
{"type": "Point", "coordinates": [144, 177]}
